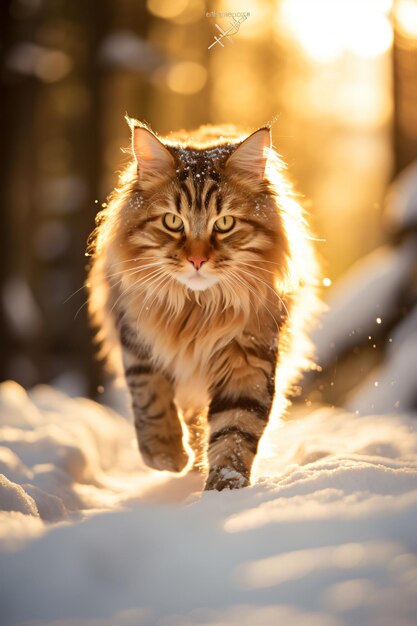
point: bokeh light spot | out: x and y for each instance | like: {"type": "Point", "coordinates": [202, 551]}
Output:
{"type": "Point", "coordinates": [406, 18]}
{"type": "Point", "coordinates": [186, 77]}
{"type": "Point", "coordinates": [167, 8]}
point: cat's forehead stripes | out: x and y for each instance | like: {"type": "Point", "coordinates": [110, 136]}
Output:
{"type": "Point", "coordinates": [199, 198]}
{"type": "Point", "coordinates": [184, 188]}
{"type": "Point", "coordinates": [198, 172]}
{"type": "Point", "coordinates": [211, 188]}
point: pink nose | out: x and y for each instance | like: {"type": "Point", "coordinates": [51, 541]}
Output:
{"type": "Point", "coordinates": [197, 261]}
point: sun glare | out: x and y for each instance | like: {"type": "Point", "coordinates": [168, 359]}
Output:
{"type": "Point", "coordinates": [326, 29]}
{"type": "Point", "coordinates": [406, 18]}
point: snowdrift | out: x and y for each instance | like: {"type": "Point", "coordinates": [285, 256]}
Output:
{"type": "Point", "coordinates": [326, 536]}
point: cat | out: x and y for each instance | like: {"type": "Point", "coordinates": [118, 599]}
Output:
{"type": "Point", "coordinates": [202, 282]}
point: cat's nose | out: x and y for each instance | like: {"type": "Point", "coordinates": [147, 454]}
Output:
{"type": "Point", "coordinates": [197, 261]}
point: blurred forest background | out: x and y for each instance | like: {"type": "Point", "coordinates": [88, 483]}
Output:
{"type": "Point", "coordinates": [337, 77]}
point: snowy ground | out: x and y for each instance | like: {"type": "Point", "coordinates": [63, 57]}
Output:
{"type": "Point", "coordinates": [326, 537]}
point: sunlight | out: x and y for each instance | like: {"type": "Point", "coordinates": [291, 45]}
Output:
{"type": "Point", "coordinates": [406, 18]}
{"type": "Point", "coordinates": [260, 15]}
{"type": "Point", "coordinates": [326, 29]}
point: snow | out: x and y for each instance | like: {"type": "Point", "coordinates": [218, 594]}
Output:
{"type": "Point", "coordinates": [368, 305]}
{"type": "Point", "coordinates": [401, 201]}
{"type": "Point", "coordinates": [370, 290]}
{"type": "Point", "coordinates": [392, 387]}
{"type": "Point", "coordinates": [326, 536]}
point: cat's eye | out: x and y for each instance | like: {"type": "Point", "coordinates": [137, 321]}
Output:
{"type": "Point", "coordinates": [173, 222]}
{"type": "Point", "coordinates": [224, 224]}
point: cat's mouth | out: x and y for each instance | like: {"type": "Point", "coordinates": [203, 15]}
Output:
{"type": "Point", "coordinates": [197, 280]}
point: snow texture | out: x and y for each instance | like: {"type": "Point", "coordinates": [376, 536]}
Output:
{"type": "Point", "coordinates": [89, 536]}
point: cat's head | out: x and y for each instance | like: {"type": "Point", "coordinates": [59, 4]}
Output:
{"type": "Point", "coordinates": [202, 212]}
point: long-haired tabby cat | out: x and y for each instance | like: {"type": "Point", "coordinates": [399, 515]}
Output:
{"type": "Point", "coordinates": [202, 281]}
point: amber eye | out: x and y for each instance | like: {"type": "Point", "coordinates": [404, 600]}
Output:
{"type": "Point", "coordinates": [224, 224]}
{"type": "Point", "coordinates": [173, 222]}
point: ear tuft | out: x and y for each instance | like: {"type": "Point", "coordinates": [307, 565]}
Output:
{"type": "Point", "coordinates": [251, 156]}
{"type": "Point", "coordinates": [152, 157]}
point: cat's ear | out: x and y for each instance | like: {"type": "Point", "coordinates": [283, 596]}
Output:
{"type": "Point", "coordinates": [154, 160]}
{"type": "Point", "coordinates": [251, 155]}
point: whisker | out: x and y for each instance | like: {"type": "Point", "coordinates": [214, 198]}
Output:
{"type": "Point", "coordinates": [132, 270]}
{"type": "Point", "coordinates": [158, 282]}
{"type": "Point", "coordinates": [232, 282]}
{"type": "Point", "coordinates": [246, 286]}
{"type": "Point", "coordinates": [262, 261]}
{"type": "Point", "coordinates": [80, 309]}
{"type": "Point", "coordinates": [148, 258]}
{"type": "Point", "coordinates": [257, 296]}
{"type": "Point", "coordinates": [99, 279]}
{"type": "Point", "coordinates": [315, 239]}
{"type": "Point", "coordinates": [139, 286]}
{"type": "Point", "coordinates": [263, 269]}
{"type": "Point", "coordinates": [231, 286]}
{"type": "Point", "coordinates": [258, 278]}
{"type": "Point", "coordinates": [75, 293]}
{"type": "Point", "coordinates": [136, 267]}
{"type": "Point", "coordinates": [139, 280]}
{"type": "Point", "coordinates": [88, 298]}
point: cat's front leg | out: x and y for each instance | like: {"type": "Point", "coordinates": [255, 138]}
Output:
{"type": "Point", "coordinates": [238, 414]}
{"type": "Point", "coordinates": [158, 428]}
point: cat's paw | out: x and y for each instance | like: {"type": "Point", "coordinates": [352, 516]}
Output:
{"type": "Point", "coordinates": [220, 478]}
{"type": "Point", "coordinates": [171, 460]}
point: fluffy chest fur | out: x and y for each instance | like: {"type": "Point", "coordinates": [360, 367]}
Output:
{"type": "Point", "coordinates": [197, 346]}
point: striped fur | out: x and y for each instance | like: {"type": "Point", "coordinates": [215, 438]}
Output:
{"type": "Point", "coordinates": [205, 352]}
